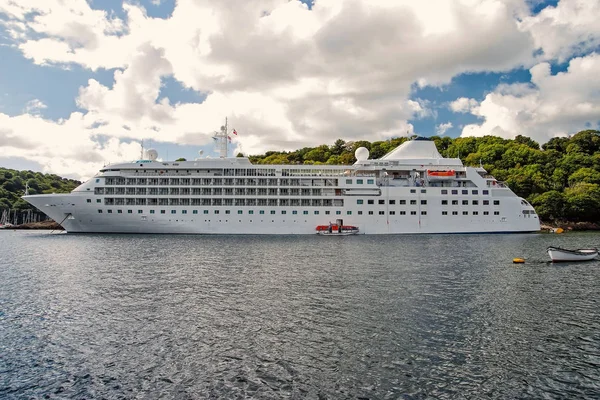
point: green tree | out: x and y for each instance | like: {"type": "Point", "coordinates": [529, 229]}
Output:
{"type": "Point", "coordinates": [550, 206]}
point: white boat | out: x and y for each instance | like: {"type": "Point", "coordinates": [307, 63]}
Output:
{"type": "Point", "coordinates": [559, 255]}
{"type": "Point", "coordinates": [410, 190]}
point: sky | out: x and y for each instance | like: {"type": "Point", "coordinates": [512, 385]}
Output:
{"type": "Point", "coordinates": [84, 82]}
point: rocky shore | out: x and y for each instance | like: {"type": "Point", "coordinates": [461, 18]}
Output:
{"type": "Point", "coordinates": [570, 226]}
{"type": "Point", "coordinates": [49, 224]}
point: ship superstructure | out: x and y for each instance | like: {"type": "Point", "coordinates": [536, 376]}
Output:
{"type": "Point", "coordinates": [413, 189]}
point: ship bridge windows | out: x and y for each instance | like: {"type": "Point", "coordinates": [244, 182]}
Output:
{"type": "Point", "coordinates": [359, 181]}
{"type": "Point", "coordinates": [163, 191]}
{"type": "Point", "coordinates": [413, 190]}
{"type": "Point", "coordinates": [474, 192]}
{"type": "Point", "coordinates": [99, 190]}
{"type": "Point", "coordinates": [348, 181]}
{"type": "Point", "coordinates": [131, 181]}
{"type": "Point", "coordinates": [454, 191]}
{"type": "Point", "coordinates": [272, 192]}
{"type": "Point", "coordinates": [485, 192]}
{"type": "Point", "coordinates": [444, 191]}
{"type": "Point", "coordinates": [496, 202]}
{"type": "Point", "coordinates": [465, 191]}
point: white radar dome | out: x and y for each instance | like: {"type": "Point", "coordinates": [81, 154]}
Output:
{"type": "Point", "coordinates": [152, 154]}
{"type": "Point", "coordinates": [361, 154]}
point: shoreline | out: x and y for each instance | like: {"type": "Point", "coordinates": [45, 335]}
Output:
{"type": "Point", "coordinates": [43, 225]}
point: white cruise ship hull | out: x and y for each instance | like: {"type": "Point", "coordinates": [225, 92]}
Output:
{"type": "Point", "coordinates": [77, 216]}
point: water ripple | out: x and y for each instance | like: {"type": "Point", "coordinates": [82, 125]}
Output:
{"type": "Point", "coordinates": [194, 317]}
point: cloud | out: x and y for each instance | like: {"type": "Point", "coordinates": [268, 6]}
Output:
{"type": "Point", "coordinates": [442, 128]}
{"type": "Point", "coordinates": [34, 106]}
{"type": "Point", "coordinates": [570, 28]}
{"type": "Point", "coordinates": [551, 105]}
{"type": "Point", "coordinates": [463, 105]}
{"type": "Point", "coordinates": [287, 76]}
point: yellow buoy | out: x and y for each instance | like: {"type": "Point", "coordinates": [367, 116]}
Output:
{"type": "Point", "coordinates": [559, 230]}
{"type": "Point", "coordinates": [518, 260]}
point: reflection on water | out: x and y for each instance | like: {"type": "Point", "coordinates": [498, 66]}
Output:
{"type": "Point", "coordinates": [446, 316]}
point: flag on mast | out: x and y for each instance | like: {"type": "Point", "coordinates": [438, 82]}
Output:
{"type": "Point", "coordinates": [229, 137]}
{"type": "Point", "coordinates": [234, 132]}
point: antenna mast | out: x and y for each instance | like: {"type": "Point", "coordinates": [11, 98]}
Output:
{"type": "Point", "coordinates": [222, 139]}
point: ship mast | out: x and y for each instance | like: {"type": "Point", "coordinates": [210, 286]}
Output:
{"type": "Point", "coordinates": [222, 140]}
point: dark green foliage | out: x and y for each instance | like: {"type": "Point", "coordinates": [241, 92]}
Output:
{"type": "Point", "coordinates": [181, 159]}
{"type": "Point", "coordinates": [12, 187]}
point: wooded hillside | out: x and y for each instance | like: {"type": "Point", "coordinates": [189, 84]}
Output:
{"type": "Point", "coordinates": [12, 187]}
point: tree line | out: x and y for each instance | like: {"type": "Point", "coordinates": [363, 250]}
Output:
{"type": "Point", "coordinates": [561, 178]}
{"type": "Point", "coordinates": [13, 182]}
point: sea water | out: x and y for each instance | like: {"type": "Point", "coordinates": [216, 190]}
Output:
{"type": "Point", "coordinates": [272, 317]}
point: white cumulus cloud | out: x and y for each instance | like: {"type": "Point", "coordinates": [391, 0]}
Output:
{"type": "Point", "coordinates": [551, 105]}
{"type": "Point", "coordinates": [441, 129]}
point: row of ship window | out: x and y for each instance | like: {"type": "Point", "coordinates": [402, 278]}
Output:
{"type": "Point", "coordinates": [223, 181]}
{"type": "Point", "coordinates": [424, 202]}
{"type": "Point", "coordinates": [284, 202]}
{"type": "Point", "coordinates": [305, 212]}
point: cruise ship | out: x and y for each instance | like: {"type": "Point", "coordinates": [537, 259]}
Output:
{"type": "Point", "coordinates": [411, 190]}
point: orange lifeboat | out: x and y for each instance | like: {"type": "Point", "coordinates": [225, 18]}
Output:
{"type": "Point", "coordinates": [441, 174]}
